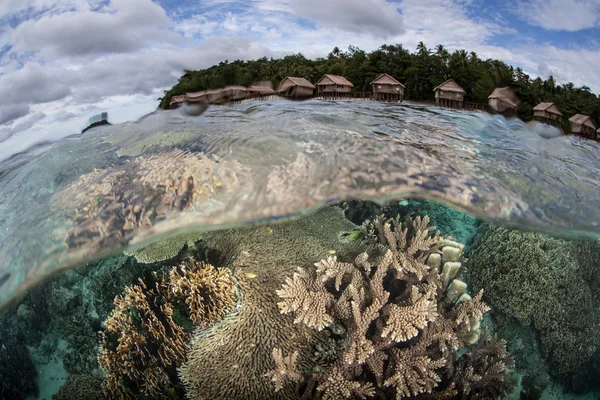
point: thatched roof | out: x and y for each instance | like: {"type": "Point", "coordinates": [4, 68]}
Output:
{"type": "Point", "coordinates": [293, 81]}
{"type": "Point", "coordinates": [328, 79]}
{"type": "Point", "coordinates": [191, 96]}
{"type": "Point", "coordinates": [549, 107]}
{"type": "Point", "coordinates": [506, 95]}
{"type": "Point", "coordinates": [261, 89]}
{"type": "Point", "coordinates": [450, 86]}
{"type": "Point", "coordinates": [177, 99]}
{"type": "Point", "coordinates": [582, 120]}
{"type": "Point", "coordinates": [386, 79]}
{"type": "Point", "coordinates": [203, 94]}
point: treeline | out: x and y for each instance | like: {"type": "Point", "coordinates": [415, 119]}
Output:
{"type": "Point", "coordinates": [420, 71]}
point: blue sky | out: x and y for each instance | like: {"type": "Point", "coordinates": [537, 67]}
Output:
{"type": "Point", "coordinates": [64, 60]}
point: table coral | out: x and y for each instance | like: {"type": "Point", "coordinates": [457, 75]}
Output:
{"type": "Point", "coordinates": [164, 249]}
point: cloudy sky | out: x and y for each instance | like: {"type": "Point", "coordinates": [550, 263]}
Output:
{"type": "Point", "coordinates": [62, 61]}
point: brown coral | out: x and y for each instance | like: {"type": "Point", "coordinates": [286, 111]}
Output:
{"type": "Point", "coordinates": [144, 339]}
{"type": "Point", "coordinates": [239, 350]}
{"type": "Point", "coordinates": [399, 332]}
{"type": "Point", "coordinates": [285, 370]}
{"type": "Point", "coordinates": [106, 208]}
{"type": "Point", "coordinates": [546, 282]}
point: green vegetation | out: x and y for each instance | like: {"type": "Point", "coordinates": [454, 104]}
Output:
{"type": "Point", "coordinates": [420, 71]}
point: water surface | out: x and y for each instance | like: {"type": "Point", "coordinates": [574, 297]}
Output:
{"type": "Point", "coordinates": [93, 194]}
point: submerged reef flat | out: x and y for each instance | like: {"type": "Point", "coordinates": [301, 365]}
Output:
{"type": "Point", "coordinates": [550, 283]}
{"type": "Point", "coordinates": [106, 207]}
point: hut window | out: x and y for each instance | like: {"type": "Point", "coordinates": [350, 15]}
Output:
{"type": "Point", "coordinates": [397, 88]}
{"type": "Point", "coordinates": [378, 86]}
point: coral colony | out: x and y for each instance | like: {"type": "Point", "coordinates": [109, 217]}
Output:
{"type": "Point", "coordinates": [393, 323]}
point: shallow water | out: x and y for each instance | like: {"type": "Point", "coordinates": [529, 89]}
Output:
{"type": "Point", "coordinates": [123, 187]}
{"type": "Point", "coordinates": [263, 160]}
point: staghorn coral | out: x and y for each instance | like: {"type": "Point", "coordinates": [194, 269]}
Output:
{"type": "Point", "coordinates": [543, 281]}
{"type": "Point", "coordinates": [239, 350]}
{"type": "Point", "coordinates": [285, 369]}
{"type": "Point", "coordinates": [400, 334]}
{"type": "Point", "coordinates": [145, 336]}
{"type": "Point", "coordinates": [164, 249]}
{"type": "Point", "coordinates": [481, 373]}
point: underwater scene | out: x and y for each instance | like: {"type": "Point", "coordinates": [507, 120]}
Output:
{"type": "Point", "coordinates": [325, 249]}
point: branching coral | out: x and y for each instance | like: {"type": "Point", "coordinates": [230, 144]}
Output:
{"type": "Point", "coordinates": [239, 350]}
{"type": "Point", "coordinates": [145, 336]}
{"type": "Point", "coordinates": [546, 281]}
{"type": "Point", "coordinates": [400, 332]}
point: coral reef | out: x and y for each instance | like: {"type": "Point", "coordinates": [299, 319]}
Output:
{"type": "Point", "coordinates": [79, 387]}
{"type": "Point", "coordinates": [106, 208]}
{"type": "Point", "coordinates": [398, 331]}
{"type": "Point", "coordinates": [460, 226]}
{"type": "Point", "coordinates": [146, 336]}
{"type": "Point", "coordinates": [17, 371]}
{"type": "Point", "coordinates": [165, 249]}
{"type": "Point", "coordinates": [546, 281]}
{"type": "Point", "coordinates": [238, 351]}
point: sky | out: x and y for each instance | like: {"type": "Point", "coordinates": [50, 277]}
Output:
{"type": "Point", "coordinates": [62, 61]}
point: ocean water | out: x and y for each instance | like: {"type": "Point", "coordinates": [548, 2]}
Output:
{"type": "Point", "coordinates": [137, 212]}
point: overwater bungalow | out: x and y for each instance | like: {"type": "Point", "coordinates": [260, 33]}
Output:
{"type": "Point", "coordinates": [547, 113]}
{"type": "Point", "coordinates": [260, 90]}
{"type": "Point", "coordinates": [296, 87]}
{"type": "Point", "coordinates": [449, 94]}
{"type": "Point", "coordinates": [204, 96]}
{"type": "Point", "coordinates": [176, 101]}
{"type": "Point", "coordinates": [334, 84]}
{"type": "Point", "coordinates": [387, 88]}
{"type": "Point", "coordinates": [504, 101]}
{"type": "Point", "coordinates": [583, 125]}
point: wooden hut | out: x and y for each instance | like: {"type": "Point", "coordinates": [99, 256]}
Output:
{"type": "Point", "coordinates": [334, 84]}
{"type": "Point", "coordinates": [261, 90]}
{"type": "Point", "coordinates": [449, 94]}
{"type": "Point", "coordinates": [598, 134]}
{"type": "Point", "coordinates": [504, 101]}
{"type": "Point", "coordinates": [204, 96]}
{"type": "Point", "coordinates": [547, 113]}
{"type": "Point", "coordinates": [583, 125]}
{"type": "Point", "coordinates": [176, 101]}
{"type": "Point", "coordinates": [296, 87]}
{"type": "Point", "coordinates": [387, 88]}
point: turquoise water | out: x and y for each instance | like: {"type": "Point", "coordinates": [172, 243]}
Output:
{"type": "Point", "coordinates": [259, 189]}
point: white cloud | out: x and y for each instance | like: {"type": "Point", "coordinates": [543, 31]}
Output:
{"type": "Point", "coordinates": [377, 17]}
{"type": "Point", "coordinates": [32, 84]}
{"type": "Point", "coordinates": [74, 60]}
{"type": "Point", "coordinates": [132, 24]}
{"type": "Point", "coordinates": [11, 112]}
{"type": "Point", "coordinates": [560, 15]}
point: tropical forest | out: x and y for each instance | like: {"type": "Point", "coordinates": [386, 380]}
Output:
{"type": "Point", "coordinates": [421, 71]}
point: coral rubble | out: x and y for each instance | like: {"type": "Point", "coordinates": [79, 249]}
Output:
{"type": "Point", "coordinates": [397, 330]}
{"type": "Point", "coordinates": [147, 334]}
{"type": "Point", "coordinates": [546, 281]}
